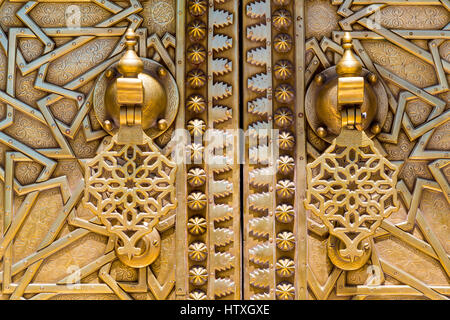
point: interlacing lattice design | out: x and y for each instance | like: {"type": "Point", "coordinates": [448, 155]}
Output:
{"type": "Point", "coordinates": [48, 132]}
{"type": "Point", "coordinates": [352, 189]}
{"type": "Point", "coordinates": [405, 43]}
{"type": "Point", "coordinates": [130, 187]}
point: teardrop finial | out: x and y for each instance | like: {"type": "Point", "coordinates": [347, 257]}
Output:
{"type": "Point", "coordinates": [348, 66]}
{"type": "Point", "coordinates": [347, 40]}
{"type": "Point", "coordinates": [130, 65]}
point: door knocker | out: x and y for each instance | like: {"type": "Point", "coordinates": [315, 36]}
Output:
{"type": "Point", "coordinates": [130, 184]}
{"type": "Point", "coordinates": [351, 186]}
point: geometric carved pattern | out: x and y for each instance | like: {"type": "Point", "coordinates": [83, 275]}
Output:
{"type": "Point", "coordinates": [258, 280]}
{"type": "Point", "coordinates": [48, 66]}
{"type": "Point", "coordinates": [274, 222]}
{"type": "Point", "coordinates": [352, 189]}
{"type": "Point", "coordinates": [410, 56]}
{"type": "Point", "coordinates": [211, 115]}
{"type": "Point", "coordinates": [47, 129]}
{"type": "Point", "coordinates": [130, 188]}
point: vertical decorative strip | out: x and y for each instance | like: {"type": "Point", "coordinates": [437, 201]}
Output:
{"type": "Point", "coordinates": [211, 119]}
{"type": "Point", "coordinates": [236, 152]}
{"type": "Point", "coordinates": [195, 123]}
{"type": "Point", "coordinates": [258, 172]}
{"type": "Point", "coordinates": [274, 171]}
{"type": "Point", "coordinates": [181, 212]}
{"type": "Point", "coordinates": [222, 152]}
{"type": "Point", "coordinates": [300, 176]}
{"type": "Point", "coordinates": [284, 108]}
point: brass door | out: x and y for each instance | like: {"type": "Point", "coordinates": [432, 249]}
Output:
{"type": "Point", "coordinates": [223, 188]}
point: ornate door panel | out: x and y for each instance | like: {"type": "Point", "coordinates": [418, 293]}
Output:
{"type": "Point", "coordinates": [169, 149]}
{"type": "Point", "coordinates": [94, 203]}
{"type": "Point", "coordinates": [274, 171]}
{"type": "Point", "coordinates": [55, 59]}
{"type": "Point", "coordinates": [290, 48]}
{"type": "Point", "coordinates": [406, 45]}
{"type": "Point", "coordinates": [209, 218]}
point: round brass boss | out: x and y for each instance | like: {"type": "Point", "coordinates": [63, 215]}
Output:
{"type": "Point", "coordinates": [324, 114]}
{"type": "Point", "coordinates": [329, 112]}
{"type": "Point", "coordinates": [155, 101]}
{"type": "Point", "coordinates": [160, 103]}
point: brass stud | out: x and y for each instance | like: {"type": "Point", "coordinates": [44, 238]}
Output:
{"type": "Point", "coordinates": [162, 124]}
{"type": "Point", "coordinates": [109, 73]}
{"type": "Point", "coordinates": [196, 30]}
{"type": "Point", "coordinates": [375, 128]}
{"type": "Point", "coordinates": [281, 19]}
{"type": "Point", "coordinates": [322, 132]}
{"type": "Point", "coordinates": [372, 78]}
{"type": "Point", "coordinates": [108, 125]}
{"type": "Point", "coordinates": [162, 72]}
{"type": "Point", "coordinates": [283, 43]}
{"type": "Point", "coordinates": [319, 79]}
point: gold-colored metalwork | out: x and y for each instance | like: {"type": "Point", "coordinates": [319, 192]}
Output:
{"type": "Point", "coordinates": [131, 188]}
{"type": "Point", "coordinates": [351, 186]}
{"type": "Point", "coordinates": [53, 121]}
{"type": "Point", "coordinates": [350, 90]}
{"type": "Point", "coordinates": [149, 249]}
{"type": "Point", "coordinates": [130, 185]}
{"type": "Point", "coordinates": [386, 39]}
{"type": "Point", "coordinates": [274, 223]}
{"type": "Point", "coordinates": [129, 88]}
{"type": "Point", "coordinates": [350, 86]}
{"type": "Point", "coordinates": [345, 85]}
{"type": "Point", "coordinates": [49, 126]}
{"type": "Point", "coordinates": [348, 65]}
{"type": "Point", "coordinates": [136, 82]}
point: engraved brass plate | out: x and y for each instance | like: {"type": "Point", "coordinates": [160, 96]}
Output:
{"type": "Point", "coordinates": [240, 74]}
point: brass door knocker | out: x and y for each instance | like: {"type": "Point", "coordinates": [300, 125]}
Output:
{"type": "Point", "coordinates": [130, 184]}
{"type": "Point", "coordinates": [351, 186]}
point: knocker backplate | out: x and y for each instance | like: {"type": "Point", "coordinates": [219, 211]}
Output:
{"type": "Point", "coordinates": [151, 67]}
